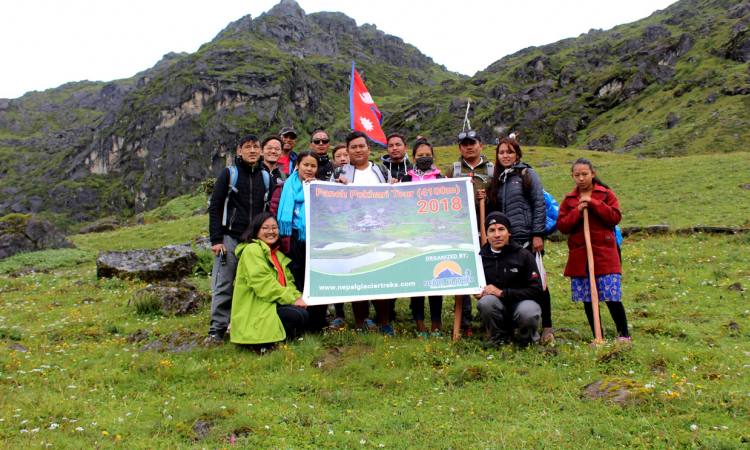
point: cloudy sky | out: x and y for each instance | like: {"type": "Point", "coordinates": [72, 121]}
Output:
{"type": "Point", "coordinates": [45, 43]}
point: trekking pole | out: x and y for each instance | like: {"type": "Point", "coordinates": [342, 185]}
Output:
{"type": "Point", "coordinates": [482, 231]}
{"type": "Point", "coordinates": [592, 279]}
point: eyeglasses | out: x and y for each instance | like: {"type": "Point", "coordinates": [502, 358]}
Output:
{"type": "Point", "coordinates": [320, 141]}
{"type": "Point", "coordinates": [471, 134]}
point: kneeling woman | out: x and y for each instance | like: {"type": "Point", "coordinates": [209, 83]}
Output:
{"type": "Point", "coordinates": [266, 306]}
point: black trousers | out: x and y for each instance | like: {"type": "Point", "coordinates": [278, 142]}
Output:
{"type": "Point", "coordinates": [294, 319]}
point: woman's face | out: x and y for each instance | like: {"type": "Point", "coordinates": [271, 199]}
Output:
{"type": "Point", "coordinates": [423, 151]}
{"type": "Point", "coordinates": [341, 157]}
{"type": "Point", "coordinates": [583, 175]}
{"type": "Point", "coordinates": [307, 168]}
{"type": "Point", "coordinates": [506, 155]}
{"type": "Point", "coordinates": [269, 231]}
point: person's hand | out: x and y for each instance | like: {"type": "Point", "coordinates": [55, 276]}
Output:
{"type": "Point", "coordinates": [481, 194]}
{"type": "Point", "coordinates": [393, 180]}
{"type": "Point", "coordinates": [218, 248]}
{"type": "Point", "coordinates": [342, 179]}
{"type": "Point", "coordinates": [583, 204]}
{"type": "Point", "coordinates": [301, 303]}
{"type": "Point", "coordinates": [548, 337]}
{"type": "Point", "coordinates": [537, 243]}
{"type": "Point", "coordinates": [491, 289]}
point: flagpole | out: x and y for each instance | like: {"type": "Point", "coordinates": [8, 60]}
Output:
{"type": "Point", "coordinates": [351, 98]}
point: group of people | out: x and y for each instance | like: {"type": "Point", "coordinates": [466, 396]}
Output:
{"type": "Point", "coordinates": [257, 232]}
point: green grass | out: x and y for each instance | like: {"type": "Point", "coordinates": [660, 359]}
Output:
{"type": "Point", "coordinates": [681, 192]}
{"type": "Point", "coordinates": [688, 360]}
{"type": "Point", "coordinates": [81, 383]}
{"type": "Point", "coordinates": [179, 207]}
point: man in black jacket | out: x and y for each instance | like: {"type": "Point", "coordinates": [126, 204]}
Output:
{"type": "Point", "coordinates": [510, 301]}
{"type": "Point", "coordinates": [319, 143]}
{"type": "Point", "coordinates": [233, 205]}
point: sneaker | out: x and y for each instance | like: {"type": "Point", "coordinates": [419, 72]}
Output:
{"type": "Point", "coordinates": [467, 332]}
{"type": "Point", "coordinates": [436, 334]}
{"type": "Point", "coordinates": [624, 340]}
{"type": "Point", "coordinates": [337, 324]}
{"type": "Point", "coordinates": [368, 326]}
{"type": "Point", "coordinates": [387, 330]}
{"type": "Point", "coordinates": [423, 335]}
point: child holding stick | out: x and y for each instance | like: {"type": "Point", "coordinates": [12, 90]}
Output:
{"type": "Point", "coordinates": [604, 213]}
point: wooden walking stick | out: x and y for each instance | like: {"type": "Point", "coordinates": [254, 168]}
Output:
{"type": "Point", "coordinates": [592, 279]}
{"type": "Point", "coordinates": [458, 309]}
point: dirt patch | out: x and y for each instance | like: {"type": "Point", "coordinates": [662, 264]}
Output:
{"type": "Point", "coordinates": [337, 356]}
{"type": "Point", "coordinates": [176, 342]}
{"type": "Point", "coordinates": [616, 390]}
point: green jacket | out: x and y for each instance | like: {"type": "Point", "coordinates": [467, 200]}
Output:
{"type": "Point", "coordinates": [257, 291]}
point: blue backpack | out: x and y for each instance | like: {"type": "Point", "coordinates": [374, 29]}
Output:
{"type": "Point", "coordinates": [233, 174]}
{"type": "Point", "coordinates": [552, 208]}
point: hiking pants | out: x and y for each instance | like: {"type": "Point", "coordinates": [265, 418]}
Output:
{"type": "Point", "coordinates": [501, 320]}
{"type": "Point", "coordinates": [222, 285]}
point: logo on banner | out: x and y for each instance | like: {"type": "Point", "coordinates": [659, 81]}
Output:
{"type": "Point", "coordinates": [449, 274]}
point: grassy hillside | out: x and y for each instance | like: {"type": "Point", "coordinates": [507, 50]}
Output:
{"type": "Point", "coordinates": [673, 83]}
{"type": "Point", "coordinates": [70, 375]}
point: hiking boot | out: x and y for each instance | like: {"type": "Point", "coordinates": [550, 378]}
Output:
{"type": "Point", "coordinates": [213, 339]}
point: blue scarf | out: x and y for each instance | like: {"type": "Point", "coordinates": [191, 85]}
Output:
{"type": "Point", "coordinates": [291, 213]}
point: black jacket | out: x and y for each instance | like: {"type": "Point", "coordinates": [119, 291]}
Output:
{"type": "Point", "coordinates": [524, 206]}
{"type": "Point", "coordinates": [243, 205]}
{"type": "Point", "coordinates": [397, 170]}
{"type": "Point", "coordinates": [325, 169]}
{"type": "Point", "coordinates": [514, 271]}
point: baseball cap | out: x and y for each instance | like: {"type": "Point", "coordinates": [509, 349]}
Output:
{"type": "Point", "coordinates": [288, 130]}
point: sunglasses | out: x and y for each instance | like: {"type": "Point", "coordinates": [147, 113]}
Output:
{"type": "Point", "coordinates": [321, 141]}
{"type": "Point", "coordinates": [471, 134]}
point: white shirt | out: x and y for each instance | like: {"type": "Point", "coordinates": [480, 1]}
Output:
{"type": "Point", "coordinates": [365, 177]}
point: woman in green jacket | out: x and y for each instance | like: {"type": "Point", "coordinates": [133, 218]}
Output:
{"type": "Point", "coordinates": [266, 306]}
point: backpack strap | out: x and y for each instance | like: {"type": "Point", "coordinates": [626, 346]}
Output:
{"type": "Point", "coordinates": [233, 174]}
{"type": "Point", "coordinates": [456, 169]}
{"type": "Point", "coordinates": [267, 185]}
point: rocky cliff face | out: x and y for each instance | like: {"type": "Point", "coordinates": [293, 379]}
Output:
{"type": "Point", "coordinates": [86, 149]}
{"type": "Point", "coordinates": [673, 83]}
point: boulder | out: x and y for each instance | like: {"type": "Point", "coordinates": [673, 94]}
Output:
{"type": "Point", "coordinates": [24, 233]}
{"type": "Point", "coordinates": [603, 143]}
{"type": "Point", "coordinates": [672, 120]}
{"type": "Point", "coordinates": [167, 263]}
{"type": "Point", "coordinates": [738, 47]}
{"type": "Point", "coordinates": [634, 142]}
{"type": "Point", "coordinates": [105, 224]}
{"type": "Point", "coordinates": [175, 299]}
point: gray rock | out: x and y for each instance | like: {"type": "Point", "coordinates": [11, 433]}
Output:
{"type": "Point", "coordinates": [24, 233]}
{"type": "Point", "coordinates": [176, 299]}
{"type": "Point", "coordinates": [604, 143]}
{"type": "Point", "coordinates": [105, 224]}
{"type": "Point", "coordinates": [201, 428]}
{"type": "Point", "coordinates": [738, 47]}
{"type": "Point", "coordinates": [167, 263]}
{"type": "Point", "coordinates": [672, 120]}
{"type": "Point", "coordinates": [634, 142]}
{"type": "Point", "coordinates": [16, 347]}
